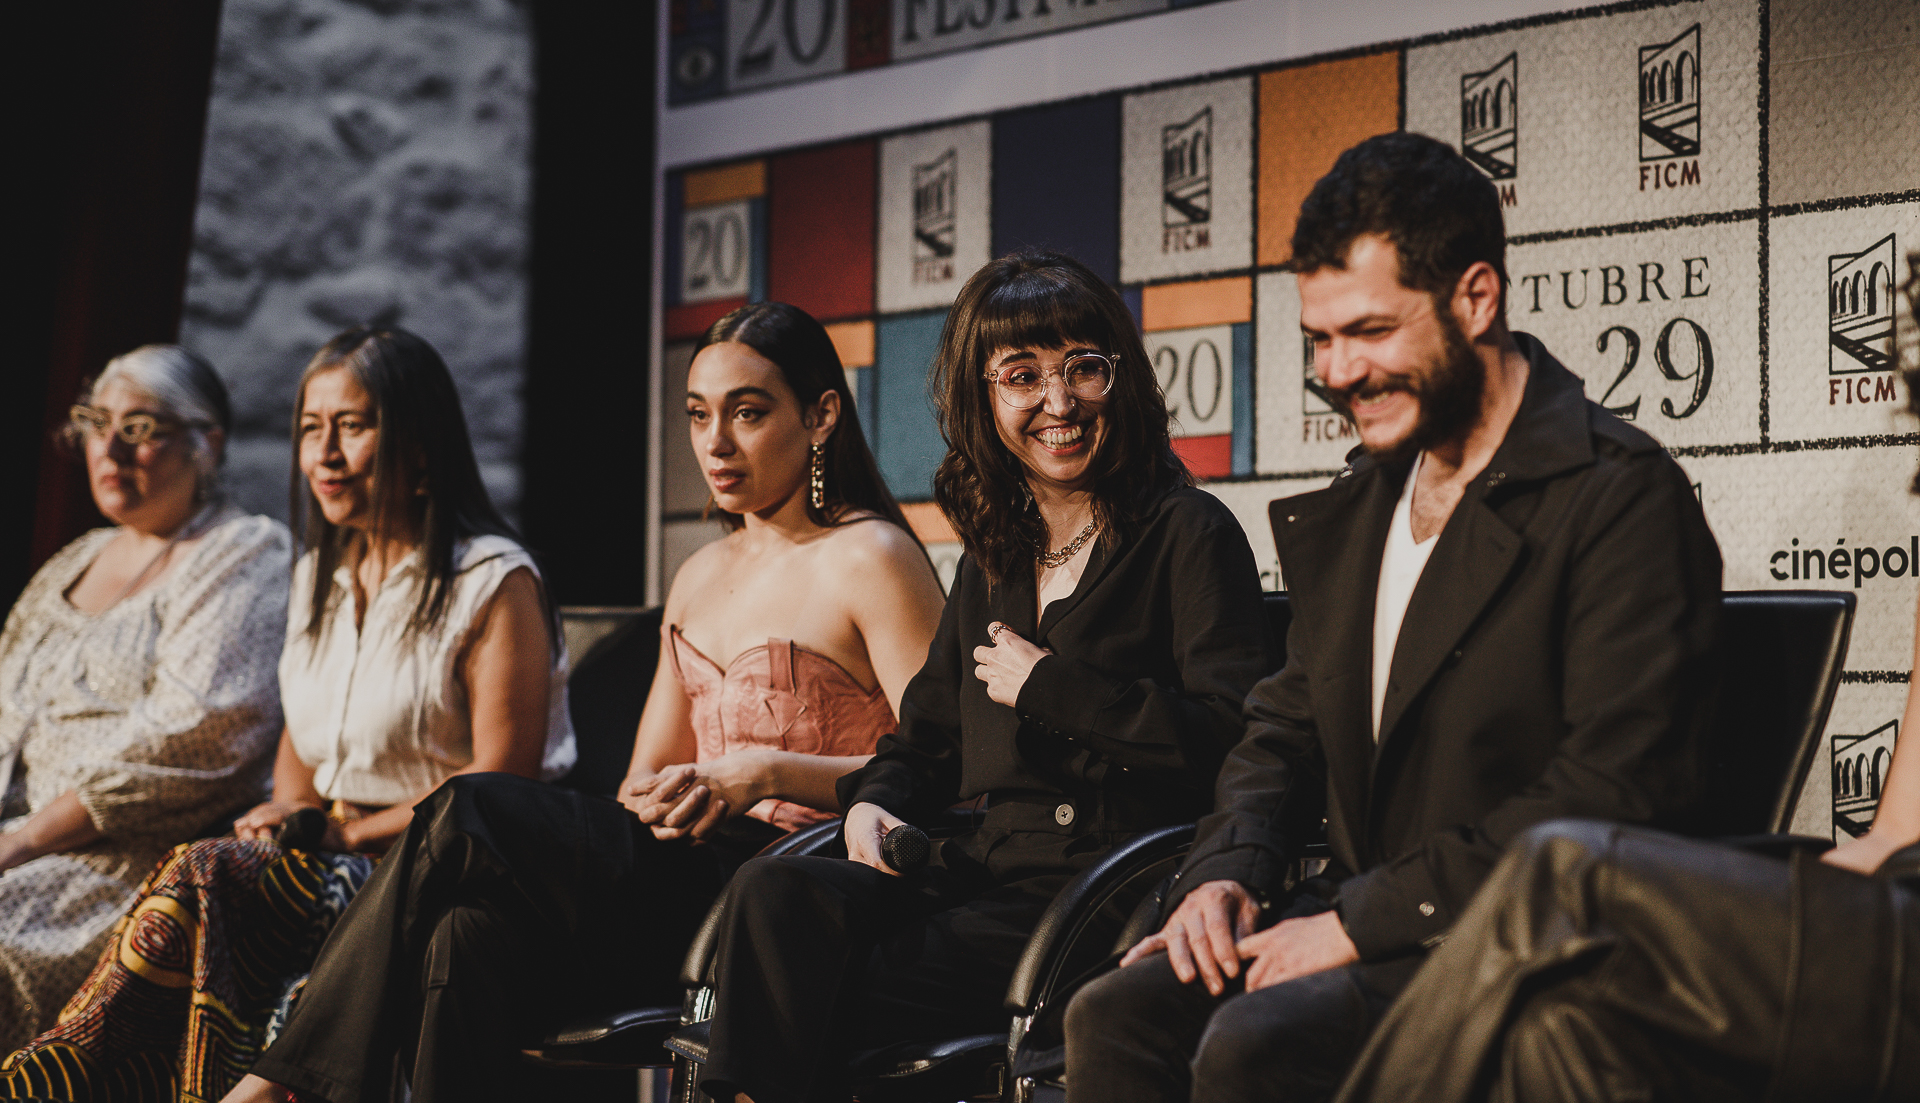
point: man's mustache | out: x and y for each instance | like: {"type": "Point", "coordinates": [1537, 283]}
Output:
{"type": "Point", "coordinates": [1369, 388]}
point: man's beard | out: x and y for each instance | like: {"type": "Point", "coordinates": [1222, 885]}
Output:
{"type": "Point", "coordinates": [1448, 391]}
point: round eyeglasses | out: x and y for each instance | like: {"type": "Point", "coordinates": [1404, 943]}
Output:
{"type": "Point", "coordinates": [1087, 376]}
{"type": "Point", "coordinates": [134, 429]}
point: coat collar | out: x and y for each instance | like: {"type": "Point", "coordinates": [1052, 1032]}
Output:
{"type": "Point", "coordinates": [1330, 544]}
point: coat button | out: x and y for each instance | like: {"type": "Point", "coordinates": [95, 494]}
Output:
{"type": "Point", "coordinates": [1426, 909]}
{"type": "Point", "coordinates": [1063, 815]}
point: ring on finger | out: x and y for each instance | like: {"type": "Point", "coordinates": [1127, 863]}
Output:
{"type": "Point", "coordinates": [994, 630]}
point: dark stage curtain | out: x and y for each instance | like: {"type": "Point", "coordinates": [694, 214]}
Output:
{"type": "Point", "coordinates": [109, 112]}
{"type": "Point", "coordinates": [588, 339]}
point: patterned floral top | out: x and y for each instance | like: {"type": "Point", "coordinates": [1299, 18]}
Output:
{"type": "Point", "coordinates": [161, 713]}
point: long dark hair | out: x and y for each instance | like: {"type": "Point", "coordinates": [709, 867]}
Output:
{"type": "Point", "coordinates": [799, 346]}
{"type": "Point", "coordinates": [425, 480]}
{"type": "Point", "coordinates": [1044, 300]}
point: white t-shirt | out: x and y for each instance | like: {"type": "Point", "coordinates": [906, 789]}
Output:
{"type": "Point", "coordinates": [381, 715]}
{"type": "Point", "coordinates": [1400, 567]}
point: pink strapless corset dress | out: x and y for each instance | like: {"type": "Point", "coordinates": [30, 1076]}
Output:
{"type": "Point", "coordinates": [780, 695]}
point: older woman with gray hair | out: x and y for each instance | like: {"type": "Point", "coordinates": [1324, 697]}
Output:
{"type": "Point", "coordinates": [138, 692]}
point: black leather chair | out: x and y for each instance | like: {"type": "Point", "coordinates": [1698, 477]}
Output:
{"type": "Point", "coordinates": [607, 688]}
{"type": "Point", "coordinates": [1783, 652]}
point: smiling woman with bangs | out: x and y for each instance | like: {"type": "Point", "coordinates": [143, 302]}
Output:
{"type": "Point", "coordinates": [1084, 686]}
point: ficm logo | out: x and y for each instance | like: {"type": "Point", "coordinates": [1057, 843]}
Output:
{"type": "Point", "coordinates": [1670, 98]}
{"type": "Point", "coordinates": [1860, 325]}
{"type": "Point", "coordinates": [1860, 764]}
{"type": "Point", "coordinates": [934, 220]}
{"type": "Point", "coordinates": [1489, 118]}
{"type": "Point", "coordinates": [1186, 183]}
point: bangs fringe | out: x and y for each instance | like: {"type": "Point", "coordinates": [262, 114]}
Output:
{"type": "Point", "coordinates": [1041, 309]}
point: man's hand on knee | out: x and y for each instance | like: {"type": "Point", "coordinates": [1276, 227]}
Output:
{"type": "Point", "coordinates": [1200, 938]}
{"type": "Point", "coordinates": [1293, 948]}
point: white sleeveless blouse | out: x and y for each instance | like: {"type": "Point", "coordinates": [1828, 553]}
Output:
{"type": "Point", "coordinates": [381, 717]}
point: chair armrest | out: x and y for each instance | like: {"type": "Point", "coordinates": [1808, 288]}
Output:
{"type": "Point", "coordinates": [1076, 906]}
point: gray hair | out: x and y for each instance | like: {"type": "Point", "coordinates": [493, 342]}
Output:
{"type": "Point", "coordinates": [187, 388]}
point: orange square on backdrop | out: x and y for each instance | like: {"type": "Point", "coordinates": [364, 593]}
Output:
{"type": "Point", "coordinates": [1307, 117]}
{"type": "Point", "coordinates": [1196, 303]}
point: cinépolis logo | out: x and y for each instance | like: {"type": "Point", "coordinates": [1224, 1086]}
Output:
{"type": "Point", "coordinates": [1670, 112]}
{"type": "Point", "coordinates": [1860, 325]}
{"type": "Point", "coordinates": [1186, 183]}
{"type": "Point", "coordinates": [934, 223]}
{"type": "Point", "coordinates": [1860, 563]}
{"type": "Point", "coordinates": [1490, 122]}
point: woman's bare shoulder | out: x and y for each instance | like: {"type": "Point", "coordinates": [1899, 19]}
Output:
{"type": "Point", "coordinates": [700, 571]}
{"type": "Point", "coordinates": [872, 541]}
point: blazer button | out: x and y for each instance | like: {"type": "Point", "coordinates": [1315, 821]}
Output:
{"type": "Point", "coordinates": [1426, 909]}
{"type": "Point", "coordinates": [1063, 815]}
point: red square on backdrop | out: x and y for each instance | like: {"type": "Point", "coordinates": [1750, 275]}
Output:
{"type": "Point", "coordinates": [692, 319]}
{"type": "Point", "coordinates": [820, 212]}
{"type": "Point", "coordinates": [1206, 457]}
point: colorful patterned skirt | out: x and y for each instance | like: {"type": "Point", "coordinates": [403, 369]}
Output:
{"type": "Point", "coordinates": [195, 981]}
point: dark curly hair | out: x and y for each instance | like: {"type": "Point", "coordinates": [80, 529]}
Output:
{"type": "Point", "coordinates": [1442, 215]}
{"type": "Point", "coordinates": [1045, 300]}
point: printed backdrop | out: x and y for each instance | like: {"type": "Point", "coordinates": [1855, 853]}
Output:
{"type": "Point", "coordinates": [1709, 203]}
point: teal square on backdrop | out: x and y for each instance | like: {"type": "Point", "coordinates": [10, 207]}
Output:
{"type": "Point", "coordinates": [907, 442]}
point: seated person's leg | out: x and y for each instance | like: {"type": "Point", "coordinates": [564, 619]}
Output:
{"type": "Point", "coordinates": [1131, 1033]}
{"type": "Point", "coordinates": [822, 958]}
{"type": "Point", "coordinates": [1293, 1042]}
{"type": "Point", "coordinates": [1567, 1047]}
{"type": "Point", "coordinates": [541, 879]}
{"type": "Point", "coordinates": [945, 975]}
{"type": "Point", "coordinates": [1687, 944]}
{"type": "Point", "coordinates": [792, 930]}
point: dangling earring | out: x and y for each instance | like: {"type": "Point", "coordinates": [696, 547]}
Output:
{"type": "Point", "coordinates": [817, 475]}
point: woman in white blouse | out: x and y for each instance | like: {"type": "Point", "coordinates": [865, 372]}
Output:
{"type": "Point", "coordinates": [137, 693]}
{"type": "Point", "coordinates": [419, 645]}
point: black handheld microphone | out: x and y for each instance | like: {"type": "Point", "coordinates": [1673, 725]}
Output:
{"type": "Point", "coordinates": [905, 848]}
{"type": "Point", "coordinates": [302, 830]}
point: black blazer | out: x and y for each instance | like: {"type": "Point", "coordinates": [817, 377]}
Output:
{"type": "Point", "coordinates": [1556, 660]}
{"type": "Point", "coordinates": [1124, 726]}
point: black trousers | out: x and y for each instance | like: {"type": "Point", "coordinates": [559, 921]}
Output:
{"type": "Point", "coordinates": [1137, 1034]}
{"type": "Point", "coordinates": [507, 905]}
{"type": "Point", "coordinates": [820, 958]}
{"type": "Point", "coordinates": [1602, 962]}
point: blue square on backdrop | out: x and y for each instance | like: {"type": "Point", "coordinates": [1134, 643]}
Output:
{"type": "Point", "coordinates": [1056, 182]}
{"type": "Point", "coordinates": [908, 443]}
{"type": "Point", "coordinates": [860, 382]}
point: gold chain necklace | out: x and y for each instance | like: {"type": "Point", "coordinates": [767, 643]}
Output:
{"type": "Point", "coordinates": [1054, 559]}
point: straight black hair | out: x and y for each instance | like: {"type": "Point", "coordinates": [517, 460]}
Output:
{"type": "Point", "coordinates": [799, 346]}
{"type": "Point", "coordinates": [425, 482]}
